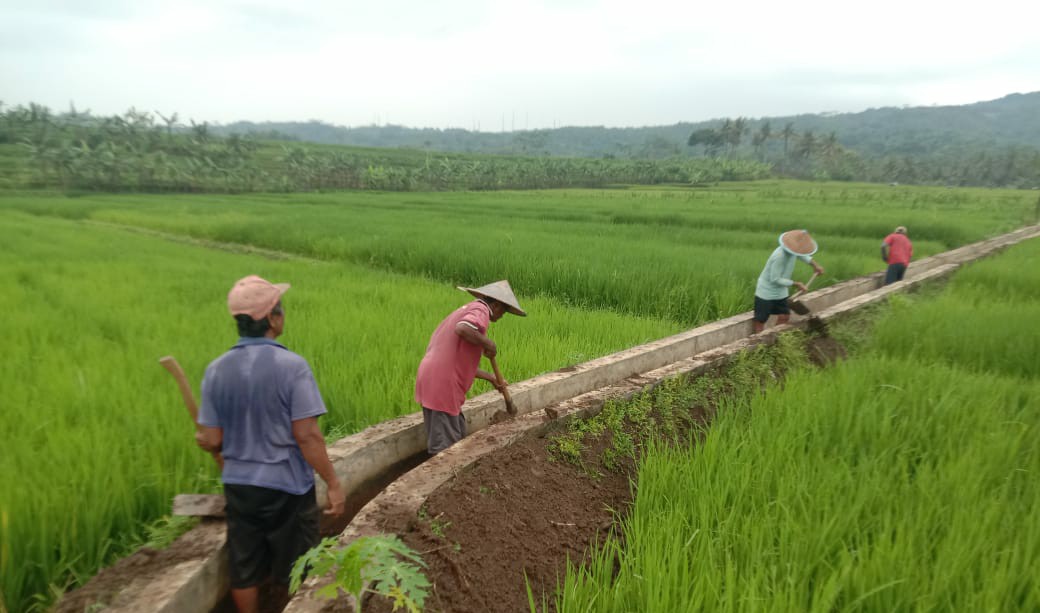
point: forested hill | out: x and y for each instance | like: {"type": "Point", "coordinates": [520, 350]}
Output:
{"type": "Point", "coordinates": [1011, 121]}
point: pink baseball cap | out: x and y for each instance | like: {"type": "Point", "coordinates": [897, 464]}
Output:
{"type": "Point", "coordinates": [254, 297]}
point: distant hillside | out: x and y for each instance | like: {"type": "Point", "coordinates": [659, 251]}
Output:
{"type": "Point", "coordinates": [1010, 121]}
{"type": "Point", "coordinates": [994, 144]}
{"type": "Point", "coordinates": [1013, 120]}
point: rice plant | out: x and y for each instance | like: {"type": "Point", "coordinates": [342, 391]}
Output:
{"type": "Point", "coordinates": [689, 256]}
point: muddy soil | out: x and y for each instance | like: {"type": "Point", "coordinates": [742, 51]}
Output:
{"type": "Point", "coordinates": [513, 514]}
{"type": "Point", "coordinates": [139, 566]}
{"type": "Point", "coordinates": [146, 563]}
{"type": "Point", "coordinates": [824, 351]}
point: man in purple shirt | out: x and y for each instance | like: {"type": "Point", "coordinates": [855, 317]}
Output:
{"type": "Point", "coordinates": [260, 408]}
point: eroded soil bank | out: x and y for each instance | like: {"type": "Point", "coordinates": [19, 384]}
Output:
{"type": "Point", "coordinates": [525, 511]}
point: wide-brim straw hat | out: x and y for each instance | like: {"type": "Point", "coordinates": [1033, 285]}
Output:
{"type": "Point", "coordinates": [798, 242]}
{"type": "Point", "coordinates": [500, 291]}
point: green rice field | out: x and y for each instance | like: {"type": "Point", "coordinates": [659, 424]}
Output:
{"type": "Point", "coordinates": [903, 479]}
{"type": "Point", "coordinates": [100, 286]}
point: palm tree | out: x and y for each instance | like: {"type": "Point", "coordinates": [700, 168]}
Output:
{"type": "Point", "coordinates": [787, 133]}
{"type": "Point", "coordinates": [760, 139]}
{"type": "Point", "coordinates": [737, 129]}
{"type": "Point", "coordinates": [829, 145]}
{"type": "Point", "coordinates": [171, 123]}
{"type": "Point", "coordinates": [806, 145]}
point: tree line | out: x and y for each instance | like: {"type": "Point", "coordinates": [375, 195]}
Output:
{"type": "Point", "coordinates": [992, 143]}
{"type": "Point", "coordinates": [806, 154]}
{"type": "Point", "coordinates": [154, 152]}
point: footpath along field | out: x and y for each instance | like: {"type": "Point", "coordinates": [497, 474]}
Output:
{"type": "Point", "coordinates": [99, 442]}
{"type": "Point", "coordinates": [901, 480]}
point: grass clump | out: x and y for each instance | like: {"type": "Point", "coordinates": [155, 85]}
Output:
{"type": "Point", "coordinates": [676, 408]}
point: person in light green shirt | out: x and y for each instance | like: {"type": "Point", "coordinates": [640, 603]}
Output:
{"type": "Point", "coordinates": [773, 283]}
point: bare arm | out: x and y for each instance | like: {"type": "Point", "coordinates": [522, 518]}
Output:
{"type": "Point", "coordinates": [476, 337]}
{"type": "Point", "coordinates": [210, 439]}
{"type": "Point", "coordinates": [490, 378]}
{"type": "Point", "coordinates": [312, 444]}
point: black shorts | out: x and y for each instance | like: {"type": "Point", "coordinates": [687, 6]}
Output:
{"type": "Point", "coordinates": [267, 530]}
{"type": "Point", "coordinates": [764, 308]}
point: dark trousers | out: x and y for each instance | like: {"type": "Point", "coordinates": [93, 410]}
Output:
{"type": "Point", "coordinates": [895, 273]}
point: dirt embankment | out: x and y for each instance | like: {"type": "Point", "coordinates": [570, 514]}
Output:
{"type": "Point", "coordinates": [521, 513]}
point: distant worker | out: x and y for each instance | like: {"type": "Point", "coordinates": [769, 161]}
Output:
{"type": "Point", "coordinates": [896, 250]}
{"type": "Point", "coordinates": [452, 361]}
{"type": "Point", "coordinates": [773, 283]}
{"type": "Point", "coordinates": [260, 408]}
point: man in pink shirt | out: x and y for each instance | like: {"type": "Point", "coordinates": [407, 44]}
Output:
{"type": "Point", "coordinates": [896, 250]}
{"type": "Point", "coordinates": [452, 361]}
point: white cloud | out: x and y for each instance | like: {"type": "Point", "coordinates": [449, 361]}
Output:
{"type": "Point", "coordinates": [460, 62]}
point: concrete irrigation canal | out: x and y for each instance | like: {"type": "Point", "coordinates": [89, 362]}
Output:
{"type": "Point", "coordinates": [387, 480]}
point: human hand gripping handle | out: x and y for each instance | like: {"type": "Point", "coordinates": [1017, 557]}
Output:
{"type": "Point", "coordinates": [174, 368]}
{"type": "Point", "coordinates": [804, 287]}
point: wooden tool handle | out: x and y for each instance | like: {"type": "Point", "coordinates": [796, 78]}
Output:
{"type": "Point", "coordinates": [502, 387]}
{"type": "Point", "coordinates": [170, 363]}
{"type": "Point", "coordinates": [807, 284]}
{"type": "Point", "coordinates": [501, 381]}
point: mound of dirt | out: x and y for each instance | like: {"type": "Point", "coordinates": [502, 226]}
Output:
{"type": "Point", "coordinates": [518, 514]}
{"type": "Point", "coordinates": [824, 351]}
{"type": "Point", "coordinates": [513, 514]}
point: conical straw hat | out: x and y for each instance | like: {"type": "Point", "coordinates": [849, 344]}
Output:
{"type": "Point", "coordinates": [500, 291]}
{"type": "Point", "coordinates": [798, 242]}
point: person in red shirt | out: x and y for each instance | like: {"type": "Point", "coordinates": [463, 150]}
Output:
{"type": "Point", "coordinates": [452, 361]}
{"type": "Point", "coordinates": [896, 250]}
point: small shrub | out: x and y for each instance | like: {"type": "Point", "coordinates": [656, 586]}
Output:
{"type": "Point", "coordinates": [381, 565]}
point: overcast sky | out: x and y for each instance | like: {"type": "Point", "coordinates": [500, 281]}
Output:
{"type": "Point", "coordinates": [516, 64]}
